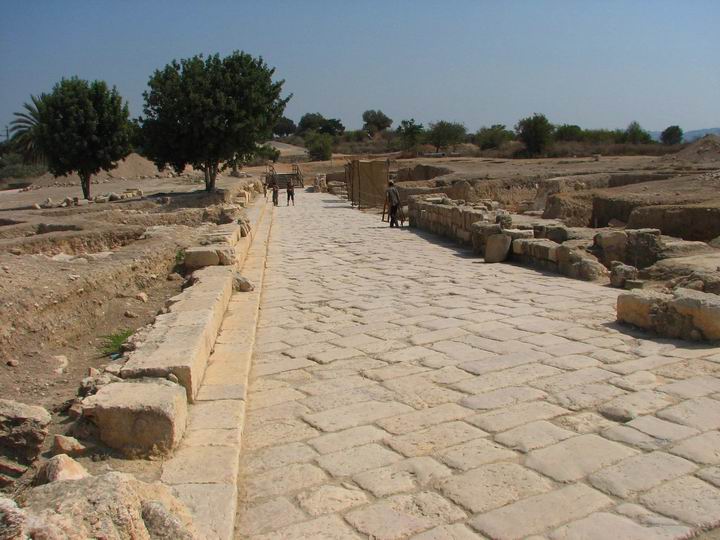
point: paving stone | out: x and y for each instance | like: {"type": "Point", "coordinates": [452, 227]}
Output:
{"type": "Point", "coordinates": [349, 438]}
{"type": "Point", "coordinates": [688, 499]}
{"type": "Point", "coordinates": [393, 372]}
{"type": "Point", "coordinates": [324, 387]}
{"type": "Point", "coordinates": [264, 517]}
{"type": "Point", "coordinates": [334, 354]}
{"type": "Point", "coordinates": [502, 361]}
{"type": "Point", "coordinates": [536, 514]}
{"type": "Point", "coordinates": [661, 429]}
{"type": "Point", "coordinates": [474, 453]}
{"type": "Point", "coordinates": [693, 387]}
{"type": "Point", "coordinates": [354, 415]}
{"type": "Point", "coordinates": [533, 435]}
{"type": "Point", "coordinates": [586, 397]}
{"type": "Point", "coordinates": [428, 441]}
{"type": "Point", "coordinates": [508, 377]}
{"type": "Point", "coordinates": [361, 458]}
{"type": "Point", "coordinates": [711, 475]}
{"type": "Point", "coordinates": [516, 415]}
{"type": "Point", "coordinates": [642, 364]}
{"type": "Point", "coordinates": [704, 448]}
{"type": "Point", "coordinates": [701, 413]}
{"type": "Point", "coordinates": [572, 362]}
{"type": "Point", "coordinates": [640, 473]}
{"type": "Point", "coordinates": [457, 531]}
{"type": "Point", "coordinates": [633, 437]}
{"type": "Point", "coordinates": [576, 458]}
{"type": "Point", "coordinates": [640, 380]}
{"type": "Point", "coordinates": [402, 515]}
{"type": "Point", "coordinates": [407, 354]}
{"type": "Point", "coordinates": [322, 528]}
{"type": "Point", "coordinates": [493, 485]}
{"type": "Point", "coordinates": [212, 507]}
{"type": "Point", "coordinates": [414, 421]}
{"type": "Point", "coordinates": [258, 400]}
{"type": "Point", "coordinates": [584, 422]}
{"type": "Point", "coordinates": [403, 476]}
{"type": "Point", "coordinates": [202, 465]}
{"type": "Point", "coordinates": [282, 481]}
{"type": "Point", "coordinates": [329, 499]}
{"type": "Point", "coordinates": [629, 406]}
{"type": "Point", "coordinates": [565, 381]}
{"type": "Point", "coordinates": [353, 396]}
{"type": "Point", "coordinates": [280, 365]}
{"type": "Point", "coordinates": [260, 434]}
{"type": "Point", "coordinates": [437, 335]}
{"type": "Point", "coordinates": [605, 526]}
{"type": "Point", "coordinates": [502, 397]}
{"type": "Point", "coordinates": [278, 456]}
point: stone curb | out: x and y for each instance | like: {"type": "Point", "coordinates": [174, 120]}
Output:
{"type": "Point", "coordinates": [204, 471]}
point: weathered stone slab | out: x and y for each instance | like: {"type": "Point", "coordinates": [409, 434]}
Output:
{"type": "Point", "coordinates": [265, 517]}
{"type": "Point", "coordinates": [474, 453]}
{"type": "Point", "coordinates": [329, 499]}
{"type": "Point", "coordinates": [357, 436]}
{"type": "Point", "coordinates": [503, 397]}
{"type": "Point", "coordinates": [406, 475]}
{"type": "Point", "coordinates": [640, 473]}
{"type": "Point", "coordinates": [139, 419]}
{"type": "Point", "coordinates": [603, 525]}
{"type": "Point", "coordinates": [688, 499]}
{"type": "Point", "coordinates": [704, 448]}
{"type": "Point", "coordinates": [575, 458]}
{"type": "Point", "coordinates": [541, 512]}
{"type": "Point", "coordinates": [202, 465]}
{"type": "Point", "coordinates": [354, 415]}
{"type": "Point", "coordinates": [516, 415]}
{"type": "Point", "coordinates": [534, 435]}
{"type": "Point", "coordinates": [403, 515]}
{"type": "Point", "coordinates": [212, 507]}
{"type": "Point", "coordinates": [428, 441]}
{"type": "Point", "coordinates": [331, 527]}
{"type": "Point", "coordinates": [406, 423]}
{"type": "Point", "coordinates": [701, 413]}
{"type": "Point", "coordinates": [492, 486]}
{"type": "Point", "coordinates": [629, 406]}
{"type": "Point", "coordinates": [358, 459]}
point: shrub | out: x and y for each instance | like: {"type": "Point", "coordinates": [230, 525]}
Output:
{"type": "Point", "coordinates": [112, 344]}
{"type": "Point", "coordinates": [375, 121]}
{"type": "Point", "coordinates": [443, 134]}
{"type": "Point", "coordinates": [672, 135]}
{"type": "Point", "coordinates": [492, 137]}
{"type": "Point", "coordinates": [536, 132]}
{"type": "Point", "coordinates": [319, 146]}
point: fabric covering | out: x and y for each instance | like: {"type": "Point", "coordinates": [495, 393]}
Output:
{"type": "Point", "coordinates": [367, 182]}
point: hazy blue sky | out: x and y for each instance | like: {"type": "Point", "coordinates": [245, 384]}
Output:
{"type": "Point", "coordinates": [594, 63]}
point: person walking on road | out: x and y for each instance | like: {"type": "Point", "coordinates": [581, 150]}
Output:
{"type": "Point", "coordinates": [392, 197]}
{"type": "Point", "coordinates": [290, 193]}
{"type": "Point", "coordinates": [275, 194]}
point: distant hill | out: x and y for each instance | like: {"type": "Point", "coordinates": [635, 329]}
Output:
{"type": "Point", "coordinates": [690, 136]}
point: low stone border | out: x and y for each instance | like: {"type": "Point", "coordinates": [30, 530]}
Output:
{"type": "Point", "coordinates": [204, 470]}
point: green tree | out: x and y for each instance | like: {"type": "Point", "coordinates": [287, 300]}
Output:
{"type": "Point", "coordinates": [443, 134]}
{"type": "Point", "coordinates": [672, 135]}
{"type": "Point", "coordinates": [634, 134]}
{"type": "Point", "coordinates": [318, 123]}
{"type": "Point", "coordinates": [375, 121]}
{"type": "Point", "coordinates": [84, 128]}
{"type": "Point", "coordinates": [410, 133]}
{"type": "Point", "coordinates": [284, 127]}
{"type": "Point", "coordinates": [319, 145]}
{"type": "Point", "coordinates": [205, 111]}
{"type": "Point", "coordinates": [569, 132]}
{"type": "Point", "coordinates": [24, 130]}
{"type": "Point", "coordinates": [536, 132]}
{"type": "Point", "coordinates": [493, 137]}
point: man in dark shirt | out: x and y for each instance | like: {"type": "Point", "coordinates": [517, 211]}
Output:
{"type": "Point", "coordinates": [290, 193]}
{"type": "Point", "coordinates": [393, 201]}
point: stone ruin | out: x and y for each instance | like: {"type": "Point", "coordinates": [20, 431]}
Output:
{"type": "Point", "coordinates": [680, 302]}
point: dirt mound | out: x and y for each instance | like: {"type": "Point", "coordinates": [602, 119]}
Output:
{"type": "Point", "coordinates": [132, 167]}
{"type": "Point", "coordinates": [705, 150]}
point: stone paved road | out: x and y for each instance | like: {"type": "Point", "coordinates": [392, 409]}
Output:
{"type": "Point", "coordinates": [404, 389]}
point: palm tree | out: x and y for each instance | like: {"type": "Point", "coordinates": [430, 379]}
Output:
{"type": "Point", "coordinates": [24, 130]}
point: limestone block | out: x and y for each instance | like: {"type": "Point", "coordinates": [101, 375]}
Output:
{"type": "Point", "coordinates": [60, 467]}
{"type": "Point", "coordinates": [620, 273]}
{"type": "Point", "coordinates": [201, 256]}
{"type": "Point", "coordinates": [23, 429]}
{"type": "Point", "coordinates": [545, 250]}
{"type": "Point", "coordinates": [704, 308]}
{"type": "Point", "coordinates": [612, 245]}
{"type": "Point", "coordinates": [514, 234]}
{"type": "Point", "coordinates": [139, 418]}
{"type": "Point", "coordinates": [638, 306]}
{"type": "Point", "coordinates": [497, 248]}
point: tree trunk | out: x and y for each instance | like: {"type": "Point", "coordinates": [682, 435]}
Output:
{"type": "Point", "coordinates": [85, 183]}
{"type": "Point", "coordinates": [235, 171]}
{"type": "Point", "coordinates": [211, 171]}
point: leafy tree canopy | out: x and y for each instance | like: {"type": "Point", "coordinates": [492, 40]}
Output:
{"type": "Point", "coordinates": [24, 130]}
{"type": "Point", "coordinates": [443, 134]}
{"type": "Point", "coordinates": [319, 145]}
{"type": "Point", "coordinates": [375, 121]}
{"type": "Point", "coordinates": [284, 127]}
{"type": "Point", "coordinates": [672, 135]}
{"type": "Point", "coordinates": [317, 122]}
{"type": "Point", "coordinates": [635, 134]}
{"type": "Point", "coordinates": [536, 132]}
{"type": "Point", "coordinates": [569, 132]}
{"type": "Point", "coordinates": [410, 133]}
{"type": "Point", "coordinates": [204, 111]}
{"type": "Point", "coordinates": [493, 137]}
{"type": "Point", "coordinates": [82, 127]}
